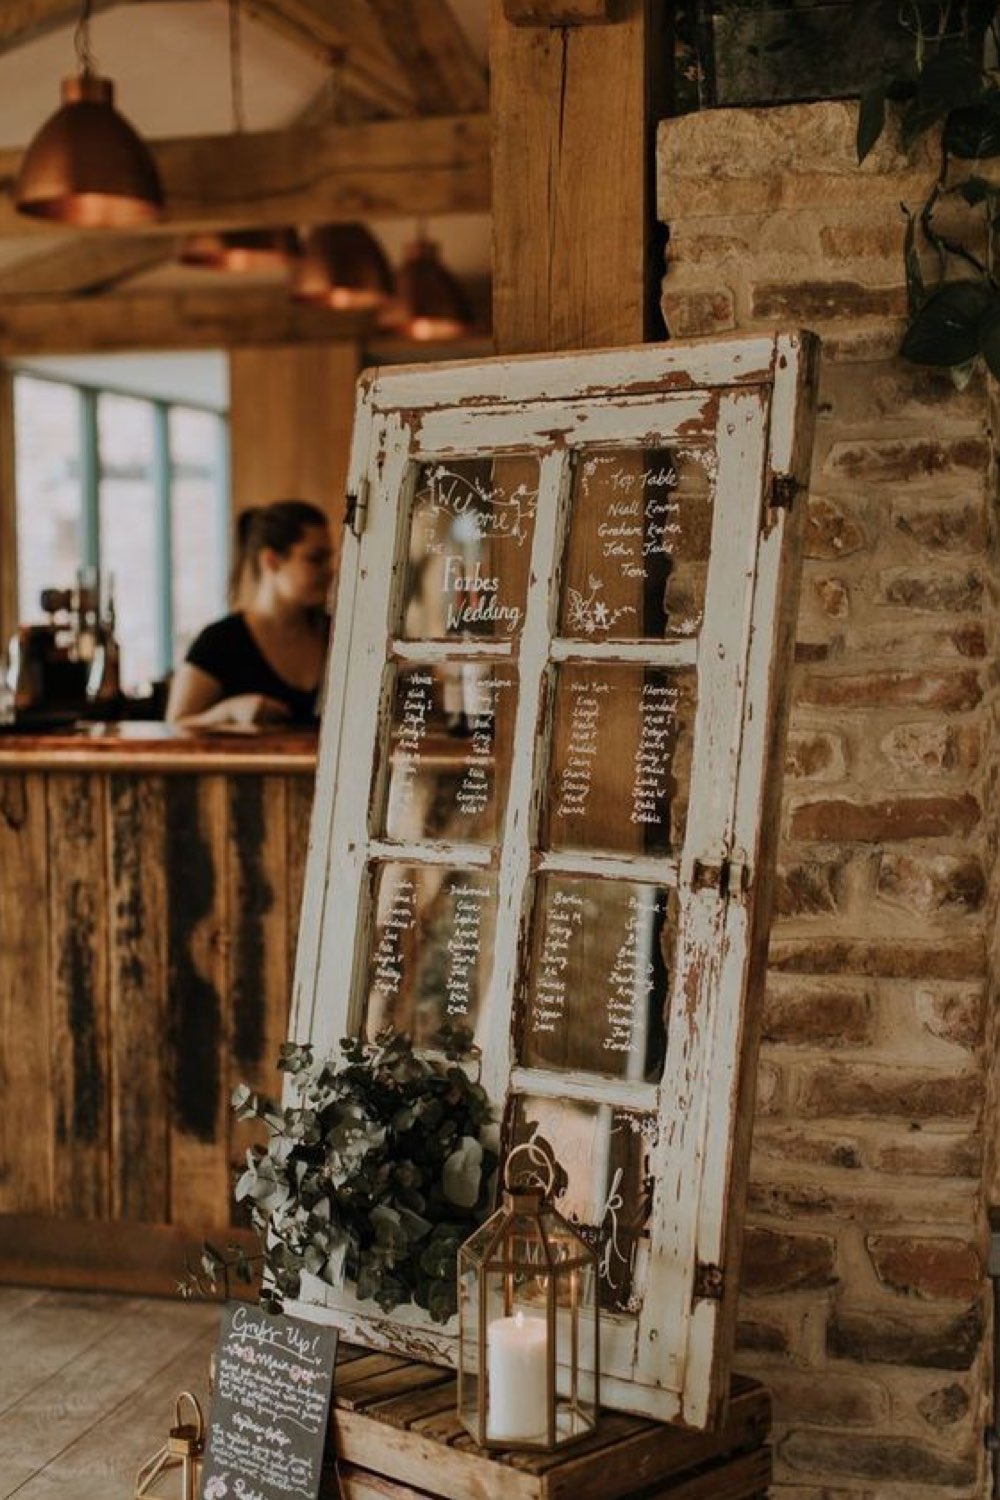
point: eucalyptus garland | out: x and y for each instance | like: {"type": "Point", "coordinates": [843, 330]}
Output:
{"type": "Point", "coordinates": [374, 1176]}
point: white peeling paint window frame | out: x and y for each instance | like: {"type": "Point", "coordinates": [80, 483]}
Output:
{"type": "Point", "coordinates": [751, 399]}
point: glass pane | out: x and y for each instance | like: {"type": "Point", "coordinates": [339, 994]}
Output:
{"type": "Point", "coordinates": [599, 979]}
{"type": "Point", "coordinates": [620, 770]}
{"type": "Point", "coordinates": [129, 531]}
{"type": "Point", "coordinates": [198, 520]}
{"type": "Point", "coordinates": [469, 549]}
{"type": "Point", "coordinates": [603, 1183]}
{"type": "Point", "coordinates": [450, 751]}
{"type": "Point", "coordinates": [49, 495]}
{"type": "Point", "coordinates": [640, 530]}
{"type": "Point", "coordinates": [432, 957]}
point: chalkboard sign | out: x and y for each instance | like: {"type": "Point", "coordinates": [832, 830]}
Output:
{"type": "Point", "coordinates": [267, 1430]}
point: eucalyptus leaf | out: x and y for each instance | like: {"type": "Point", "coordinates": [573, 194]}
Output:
{"type": "Point", "coordinates": [974, 132]}
{"type": "Point", "coordinates": [946, 329]}
{"type": "Point", "coordinates": [871, 118]}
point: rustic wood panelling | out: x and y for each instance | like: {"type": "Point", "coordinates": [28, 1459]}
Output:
{"type": "Point", "coordinates": [138, 995]}
{"type": "Point", "coordinates": [78, 942]}
{"type": "Point", "coordinates": [25, 1014]}
{"type": "Point", "coordinates": [148, 922]}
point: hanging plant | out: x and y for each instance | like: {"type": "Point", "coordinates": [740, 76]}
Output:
{"type": "Point", "coordinates": [954, 320]}
{"type": "Point", "coordinates": [374, 1177]}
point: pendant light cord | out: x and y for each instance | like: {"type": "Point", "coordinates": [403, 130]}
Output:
{"type": "Point", "coordinates": [235, 67]}
{"type": "Point", "coordinates": [81, 39]}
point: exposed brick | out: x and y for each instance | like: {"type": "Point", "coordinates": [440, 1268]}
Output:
{"type": "Point", "coordinates": [794, 1145]}
{"type": "Point", "coordinates": [878, 461]}
{"type": "Point", "coordinates": [818, 755]}
{"type": "Point", "coordinates": [930, 1268]}
{"type": "Point", "coordinates": [895, 1460]}
{"type": "Point", "coordinates": [945, 1406]}
{"type": "Point", "coordinates": [949, 691]}
{"type": "Point", "coordinates": [958, 529]}
{"type": "Point", "coordinates": [932, 747]}
{"type": "Point", "coordinates": [703, 247]}
{"type": "Point", "coordinates": [953, 1018]}
{"type": "Point", "coordinates": [861, 239]}
{"type": "Point", "coordinates": [961, 959]}
{"type": "Point", "coordinates": [927, 1155]}
{"type": "Point", "coordinates": [690, 314]}
{"type": "Point", "coordinates": [831, 531]}
{"type": "Point", "coordinates": [959, 593]}
{"type": "Point", "coordinates": [862, 343]}
{"type": "Point", "coordinates": [762, 1337]}
{"type": "Point", "coordinates": [833, 597]}
{"type": "Point", "coordinates": [928, 1342]}
{"type": "Point", "coordinates": [810, 887]}
{"type": "Point", "coordinates": [774, 1261]}
{"type": "Point", "coordinates": [899, 818]}
{"type": "Point", "coordinates": [823, 300]}
{"type": "Point", "coordinates": [875, 1091]}
{"type": "Point", "coordinates": [818, 1017]}
{"type": "Point", "coordinates": [836, 1400]}
{"type": "Point", "coordinates": [932, 883]}
{"type": "Point", "coordinates": [854, 1197]}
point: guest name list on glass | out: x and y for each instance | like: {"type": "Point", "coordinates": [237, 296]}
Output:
{"type": "Point", "coordinates": [548, 789]}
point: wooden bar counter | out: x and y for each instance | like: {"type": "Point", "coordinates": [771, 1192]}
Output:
{"type": "Point", "coordinates": [150, 884]}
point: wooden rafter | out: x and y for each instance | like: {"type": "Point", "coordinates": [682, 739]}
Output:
{"type": "Point", "coordinates": [85, 265]}
{"type": "Point", "coordinates": [387, 169]}
{"type": "Point", "coordinates": [179, 320]}
{"type": "Point", "coordinates": [435, 53]}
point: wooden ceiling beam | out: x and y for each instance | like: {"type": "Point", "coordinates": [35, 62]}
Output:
{"type": "Point", "coordinates": [386, 169]}
{"type": "Point", "coordinates": [85, 265]}
{"type": "Point", "coordinates": [435, 54]}
{"type": "Point", "coordinates": [177, 320]}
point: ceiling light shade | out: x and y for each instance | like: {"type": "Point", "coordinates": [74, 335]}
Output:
{"type": "Point", "coordinates": [87, 166]}
{"type": "Point", "coordinates": [432, 305]}
{"type": "Point", "coordinates": [241, 250]}
{"type": "Point", "coordinates": [342, 266]}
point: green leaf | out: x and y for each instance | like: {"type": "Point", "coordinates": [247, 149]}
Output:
{"type": "Point", "coordinates": [911, 263]}
{"type": "Point", "coordinates": [989, 337]}
{"type": "Point", "coordinates": [946, 329]}
{"type": "Point", "coordinates": [950, 79]}
{"type": "Point", "coordinates": [976, 190]}
{"type": "Point", "coordinates": [871, 118]}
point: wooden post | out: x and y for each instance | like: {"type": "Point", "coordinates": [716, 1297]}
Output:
{"type": "Point", "coordinates": [574, 111]}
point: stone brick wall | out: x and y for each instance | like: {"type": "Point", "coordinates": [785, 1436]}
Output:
{"type": "Point", "coordinates": [865, 1301]}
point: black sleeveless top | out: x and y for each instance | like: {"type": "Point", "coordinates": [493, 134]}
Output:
{"type": "Point", "coordinates": [227, 651]}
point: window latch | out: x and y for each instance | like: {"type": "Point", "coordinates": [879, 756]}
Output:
{"type": "Point", "coordinates": [356, 513]}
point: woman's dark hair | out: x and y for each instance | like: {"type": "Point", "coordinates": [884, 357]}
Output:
{"type": "Point", "coordinates": [278, 526]}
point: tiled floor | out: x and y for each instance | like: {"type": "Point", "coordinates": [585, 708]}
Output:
{"type": "Point", "coordinates": [87, 1387]}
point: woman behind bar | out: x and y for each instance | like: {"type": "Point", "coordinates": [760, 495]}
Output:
{"type": "Point", "coordinates": [264, 664]}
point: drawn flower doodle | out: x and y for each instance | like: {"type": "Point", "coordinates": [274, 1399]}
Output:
{"type": "Point", "coordinates": [592, 614]}
{"type": "Point", "coordinates": [482, 509]}
{"type": "Point", "coordinates": [216, 1487]}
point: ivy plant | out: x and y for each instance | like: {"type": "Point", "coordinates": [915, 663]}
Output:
{"type": "Point", "coordinates": [954, 318]}
{"type": "Point", "coordinates": [374, 1176]}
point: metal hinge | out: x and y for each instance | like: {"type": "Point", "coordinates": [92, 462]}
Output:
{"type": "Point", "coordinates": [782, 492]}
{"type": "Point", "coordinates": [709, 1282]}
{"type": "Point", "coordinates": [730, 876]}
{"type": "Point", "coordinates": [356, 514]}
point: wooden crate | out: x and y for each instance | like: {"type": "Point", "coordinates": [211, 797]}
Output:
{"type": "Point", "coordinates": [396, 1435]}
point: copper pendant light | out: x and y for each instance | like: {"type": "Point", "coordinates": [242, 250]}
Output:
{"type": "Point", "coordinates": [432, 305]}
{"type": "Point", "coordinates": [87, 166]}
{"type": "Point", "coordinates": [342, 266]}
{"type": "Point", "coordinates": [239, 250]}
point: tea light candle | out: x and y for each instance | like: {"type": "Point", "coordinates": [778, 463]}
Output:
{"type": "Point", "coordinates": [517, 1370]}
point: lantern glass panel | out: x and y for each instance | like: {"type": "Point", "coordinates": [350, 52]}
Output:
{"type": "Point", "coordinates": [470, 1367]}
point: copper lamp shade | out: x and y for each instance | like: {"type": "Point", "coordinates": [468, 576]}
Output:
{"type": "Point", "coordinates": [342, 266]}
{"type": "Point", "coordinates": [432, 305]}
{"type": "Point", "coordinates": [241, 250]}
{"type": "Point", "coordinates": [87, 166]}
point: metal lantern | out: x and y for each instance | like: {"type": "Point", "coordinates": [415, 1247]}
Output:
{"type": "Point", "coordinates": [175, 1469]}
{"type": "Point", "coordinates": [528, 1372]}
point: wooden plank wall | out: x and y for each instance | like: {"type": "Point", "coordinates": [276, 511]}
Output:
{"type": "Point", "coordinates": [147, 935]}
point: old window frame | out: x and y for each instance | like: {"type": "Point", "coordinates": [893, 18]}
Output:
{"type": "Point", "coordinates": [752, 398]}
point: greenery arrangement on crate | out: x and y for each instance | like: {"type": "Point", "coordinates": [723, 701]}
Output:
{"type": "Point", "coordinates": [375, 1176]}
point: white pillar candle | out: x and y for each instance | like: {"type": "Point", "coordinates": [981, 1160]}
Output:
{"type": "Point", "coordinates": [517, 1409]}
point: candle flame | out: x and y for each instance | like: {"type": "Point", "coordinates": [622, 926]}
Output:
{"type": "Point", "coordinates": [519, 1319]}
